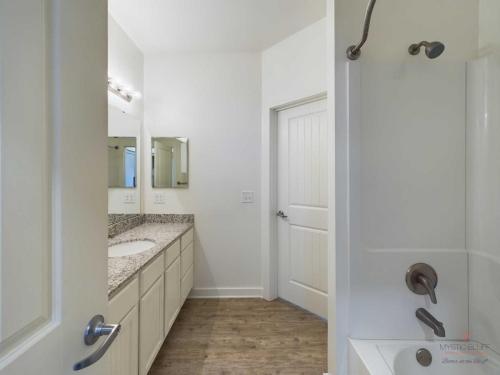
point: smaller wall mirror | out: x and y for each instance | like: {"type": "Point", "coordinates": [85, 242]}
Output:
{"type": "Point", "coordinates": [170, 162]}
{"type": "Point", "coordinates": [122, 162]}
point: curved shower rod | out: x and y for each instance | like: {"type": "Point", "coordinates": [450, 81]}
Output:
{"type": "Point", "coordinates": [354, 51]}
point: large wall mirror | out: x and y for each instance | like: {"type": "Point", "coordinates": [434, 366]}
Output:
{"type": "Point", "coordinates": [170, 162]}
{"type": "Point", "coordinates": [122, 162]}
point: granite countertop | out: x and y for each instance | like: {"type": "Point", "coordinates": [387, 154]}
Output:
{"type": "Point", "coordinates": [122, 269]}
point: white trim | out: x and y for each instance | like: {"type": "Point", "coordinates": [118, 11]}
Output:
{"type": "Point", "coordinates": [269, 239]}
{"type": "Point", "coordinates": [226, 293]}
{"type": "Point", "coordinates": [268, 208]}
{"type": "Point", "coordinates": [303, 101]}
{"type": "Point", "coordinates": [335, 364]}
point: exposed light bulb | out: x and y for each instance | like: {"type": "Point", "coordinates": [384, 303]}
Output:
{"type": "Point", "coordinates": [126, 92]}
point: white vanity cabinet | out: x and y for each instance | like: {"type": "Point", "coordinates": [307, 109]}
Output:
{"type": "Point", "coordinates": [151, 313]}
{"type": "Point", "coordinates": [124, 352]}
{"type": "Point", "coordinates": [172, 285]}
{"type": "Point", "coordinates": [178, 276]}
{"type": "Point", "coordinates": [187, 264]}
{"type": "Point", "coordinates": [148, 306]}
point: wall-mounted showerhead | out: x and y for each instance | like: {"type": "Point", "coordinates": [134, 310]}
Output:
{"type": "Point", "coordinates": [432, 49]}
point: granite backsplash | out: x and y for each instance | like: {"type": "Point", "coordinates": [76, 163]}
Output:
{"type": "Point", "coordinates": [119, 223]}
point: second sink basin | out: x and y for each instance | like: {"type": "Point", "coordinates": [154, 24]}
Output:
{"type": "Point", "coordinates": [129, 248]}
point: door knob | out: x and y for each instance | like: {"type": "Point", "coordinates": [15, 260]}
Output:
{"type": "Point", "coordinates": [281, 214]}
{"type": "Point", "coordinates": [95, 329]}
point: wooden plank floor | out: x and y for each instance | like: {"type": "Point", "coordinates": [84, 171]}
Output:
{"type": "Point", "coordinates": [243, 336]}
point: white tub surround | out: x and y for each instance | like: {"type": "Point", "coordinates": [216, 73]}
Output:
{"type": "Point", "coordinates": [483, 204]}
{"type": "Point", "coordinates": [406, 196]}
{"type": "Point", "coordinates": [374, 357]}
{"type": "Point", "coordinates": [382, 306]}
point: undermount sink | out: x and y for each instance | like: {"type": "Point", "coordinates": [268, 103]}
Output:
{"type": "Point", "coordinates": [129, 248]}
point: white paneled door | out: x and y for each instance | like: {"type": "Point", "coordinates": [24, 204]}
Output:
{"type": "Point", "coordinates": [303, 206]}
{"type": "Point", "coordinates": [163, 165]}
{"type": "Point", "coordinates": [53, 196]}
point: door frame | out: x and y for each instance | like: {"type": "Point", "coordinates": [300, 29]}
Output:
{"type": "Point", "coordinates": [269, 240]}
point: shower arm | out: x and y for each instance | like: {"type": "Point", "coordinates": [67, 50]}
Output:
{"type": "Point", "coordinates": [354, 51]}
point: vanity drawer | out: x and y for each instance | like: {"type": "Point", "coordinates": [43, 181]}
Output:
{"type": "Point", "coordinates": [187, 284]}
{"type": "Point", "coordinates": [187, 238]}
{"type": "Point", "coordinates": [151, 273]}
{"type": "Point", "coordinates": [187, 258]}
{"type": "Point", "coordinates": [172, 253]}
{"type": "Point", "coordinates": [122, 303]}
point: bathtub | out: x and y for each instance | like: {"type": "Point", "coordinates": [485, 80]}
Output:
{"type": "Point", "coordinates": [392, 357]}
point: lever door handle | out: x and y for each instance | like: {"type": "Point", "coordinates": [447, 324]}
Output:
{"type": "Point", "coordinates": [95, 329]}
{"type": "Point", "coordinates": [281, 214]}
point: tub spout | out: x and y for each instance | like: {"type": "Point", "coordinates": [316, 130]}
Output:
{"type": "Point", "coordinates": [426, 317]}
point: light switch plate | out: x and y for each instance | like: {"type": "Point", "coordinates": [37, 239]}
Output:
{"type": "Point", "coordinates": [247, 196]}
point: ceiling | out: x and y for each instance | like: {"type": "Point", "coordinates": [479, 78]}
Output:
{"type": "Point", "coordinates": [213, 25]}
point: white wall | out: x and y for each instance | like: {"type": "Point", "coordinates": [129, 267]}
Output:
{"type": "Point", "coordinates": [292, 70]}
{"type": "Point", "coordinates": [214, 100]}
{"type": "Point", "coordinates": [295, 68]}
{"type": "Point", "coordinates": [489, 26]}
{"type": "Point", "coordinates": [126, 63]}
{"type": "Point", "coordinates": [397, 167]}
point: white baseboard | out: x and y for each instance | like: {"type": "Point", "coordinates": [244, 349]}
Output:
{"type": "Point", "coordinates": [226, 293]}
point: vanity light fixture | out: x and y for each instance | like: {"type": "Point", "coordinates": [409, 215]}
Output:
{"type": "Point", "coordinates": [121, 90]}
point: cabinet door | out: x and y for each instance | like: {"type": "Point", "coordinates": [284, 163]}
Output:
{"type": "Point", "coordinates": [187, 284]}
{"type": "Point", "coordinates": [172, 293]}
{"type": "Point", "coordinates": [124, 352]}
{"type": "Point", "coordinates": [187, 258]}
{"type": "Point", "coordinates": [151, 324]}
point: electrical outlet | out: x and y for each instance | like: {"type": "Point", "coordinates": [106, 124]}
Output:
{"type": "Point", "coordinates": [129, 198]}
{"type": "Point", "coordinates": [159, 198]}
{"type": "Point", "coordinates": [247, 197]}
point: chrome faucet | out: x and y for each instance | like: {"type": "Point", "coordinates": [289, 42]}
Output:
{"type": "Point", "coordinates": [426, 317]}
